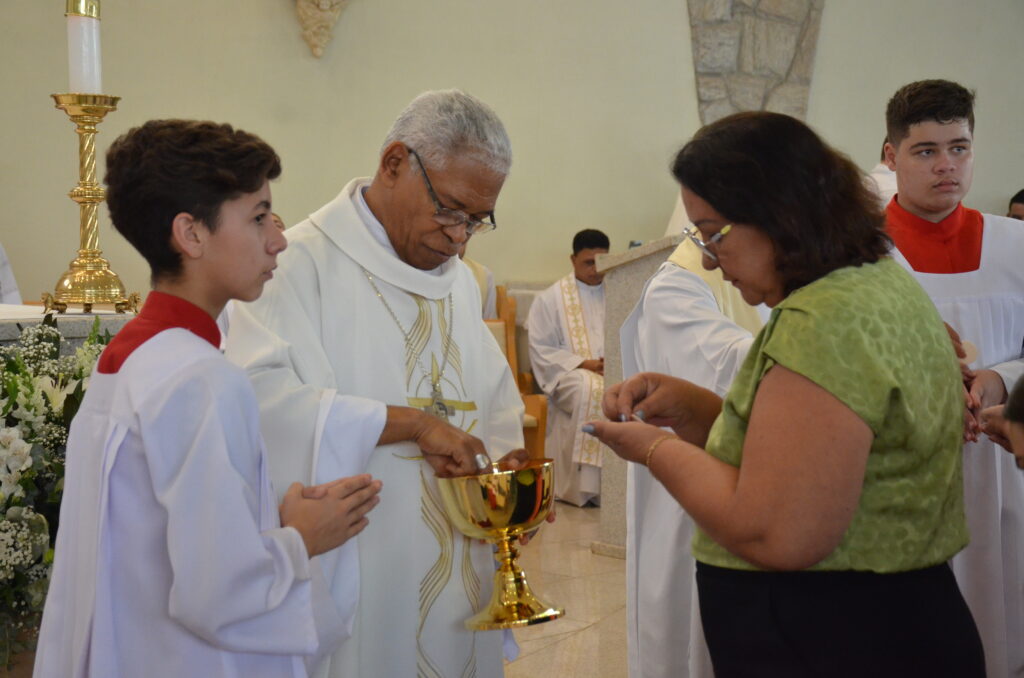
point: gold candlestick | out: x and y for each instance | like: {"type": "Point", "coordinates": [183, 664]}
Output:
{"type": "Point", "coordinates": [89, 279]}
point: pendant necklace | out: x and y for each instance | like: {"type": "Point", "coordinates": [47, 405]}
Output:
{"type": "Point", "coordinates": [437, 407]}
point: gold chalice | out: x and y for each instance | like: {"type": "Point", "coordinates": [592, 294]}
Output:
{"type": "Point", "coordinates": [498, 506]}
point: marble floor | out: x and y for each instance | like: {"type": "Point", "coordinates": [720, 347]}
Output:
{"type": "Point", "coordinates": [590, 640]}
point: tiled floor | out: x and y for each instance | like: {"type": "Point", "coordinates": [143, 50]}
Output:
{"type": "Point", "coordinates": [590, 640]}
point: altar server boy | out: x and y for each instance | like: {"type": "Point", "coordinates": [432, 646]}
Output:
{"type": "Point", "coordinates": [173, 557]}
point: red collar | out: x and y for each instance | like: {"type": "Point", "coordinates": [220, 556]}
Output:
{"type": "Point", "coordinates": [161, 312]}
{"type": "Point", "coordinates": [952, 245]}
{"type": "Point", "coordinates": [901, 219]}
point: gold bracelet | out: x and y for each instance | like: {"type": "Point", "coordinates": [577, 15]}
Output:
{"type": "Point", "coordinates": [654, 445]}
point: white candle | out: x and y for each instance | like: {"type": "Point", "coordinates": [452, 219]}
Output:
{"type": "Point", "coordinates": [84, 55]}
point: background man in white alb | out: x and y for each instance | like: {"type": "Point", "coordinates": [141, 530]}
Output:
{"type": "Point", "coordinates": [566, 330]}
{"type": "Point", "coordinates": [371, 300]}
{"type": "Point", "coordinates": [969, 264]}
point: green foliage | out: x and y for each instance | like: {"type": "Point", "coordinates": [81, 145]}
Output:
{"type": "Point", "coordinates": [40, 393]}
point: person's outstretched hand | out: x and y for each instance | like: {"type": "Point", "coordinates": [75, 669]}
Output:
{"type": "Point", "coordinates": [336, 512]}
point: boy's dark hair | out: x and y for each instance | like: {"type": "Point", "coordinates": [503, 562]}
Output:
{"type": "Point", "coordinates": [772, 172]}
{"type": "Point", "coordinates": [166, 167]}
{"type": "Point", "coordinates": [1017, 198]}
{"type": "Point", "coordinates": [925, 101]}
{"type": "Point", "coordinates": [590, 239]}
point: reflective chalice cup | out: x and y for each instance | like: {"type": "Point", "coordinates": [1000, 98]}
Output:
{"type": "Point", "coordinates": [498, 506]}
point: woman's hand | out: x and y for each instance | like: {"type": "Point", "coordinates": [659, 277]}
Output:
{"type": "Point", "coordinates": [630, 440]}
{"type": "Point", "coordinates": [662, 400]}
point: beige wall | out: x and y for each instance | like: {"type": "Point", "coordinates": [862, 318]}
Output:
{"type": "Point", "coordinates": [869, 48]}
{"type": "Point", "coordinates": [595, 95]}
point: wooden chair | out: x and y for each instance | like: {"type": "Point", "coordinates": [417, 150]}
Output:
{"type": "Point", "coordinates": [504, 330]}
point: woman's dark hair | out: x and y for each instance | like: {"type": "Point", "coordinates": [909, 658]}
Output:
{"type": "Point", "coordinates": [772, 172]}
{"type": "Point", "coordinates": [166, 167]}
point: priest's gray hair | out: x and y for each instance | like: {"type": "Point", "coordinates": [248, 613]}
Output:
{"type": "Point", "coordinates": [441, 124]}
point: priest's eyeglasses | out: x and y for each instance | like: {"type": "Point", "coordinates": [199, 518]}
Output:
{"type": "Point", "coordinates": [448, 217]}
{"type": "Point", "coordinates": [705, 247]}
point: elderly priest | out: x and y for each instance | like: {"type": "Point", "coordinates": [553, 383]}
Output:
{"type": "Point", "coordinates": [371, 300]}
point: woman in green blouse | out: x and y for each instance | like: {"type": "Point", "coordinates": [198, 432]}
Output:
{"type": "Point", "coordinates": [827, 486]}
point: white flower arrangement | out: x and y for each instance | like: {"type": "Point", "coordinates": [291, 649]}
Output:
{"type": "Point", "coordinates": [40, 392]}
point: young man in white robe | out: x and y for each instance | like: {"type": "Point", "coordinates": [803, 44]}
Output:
{"type": "Point", "coordinates": [566, 341]}
{"type": "Point", "coordinates": [969, 263]}
{"type": "Point", "coordinates": [371, 300]}
{"type": "Point", "coordinates": [173, 557]}
{"type": "Point", "coordinates": [691, 324]}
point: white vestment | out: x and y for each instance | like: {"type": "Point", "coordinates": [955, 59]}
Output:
{"type": "Point", "coordinates": [320, 328]}
{"type": "Point", "coordinates": [566, 327]}
{"type": "Point", "coordinates": [883, 183]}
{"type": "Point", "coordinates": [488, 291]}
{"type": "Point", "coordinates": [9, 293]}
{"type": "Point", "coordinates": [986, 307]}
{"type": "Point", "coordinates": [170, 557]}
{"type": "Point", "coordinates": [676, 328]}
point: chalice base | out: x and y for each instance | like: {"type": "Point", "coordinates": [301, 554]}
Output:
{"type": "Point", "coordinates": [512, 605]}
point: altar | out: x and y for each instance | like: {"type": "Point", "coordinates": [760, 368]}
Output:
{"type": "Point", "coordinates": [74, 324]}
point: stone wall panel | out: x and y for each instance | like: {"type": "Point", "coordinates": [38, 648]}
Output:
{"type": "Point", "coordinates": [710, 10]}
{"type": "Point", "coordinates": [803, 62]}
{"type": "Point", "coordinates": [711, 88]}
{"type": "Point", "coordinates": [747, 91]}
{"type": "Point", "coordinates": [792, 10]}
{"type": "Point", "coordinates": [716, 48]}
{"type": "Point", "coordinates": [753, 54]}
{"type": "Point", "coordinates": [715, 110]}
{"type": "Point", "coordinates": [774, 46]}
{"type": "Point", "coordinates": [789, 98]}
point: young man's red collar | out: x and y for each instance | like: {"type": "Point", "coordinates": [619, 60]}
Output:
{"type": "Point", "coordinates": [161, 312]}
{"type": "Point", "coordinates": [952, 245]}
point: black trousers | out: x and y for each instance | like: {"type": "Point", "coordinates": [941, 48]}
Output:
{"type": "Point", "coordinates": [838, 624]}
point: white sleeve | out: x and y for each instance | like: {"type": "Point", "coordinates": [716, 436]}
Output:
{"type": "Point", "coordinates": [505, 420]}
{"type": "Point", "coordinates": [235, 586]}
{"type": "Point", "coordinates": [682, 332]}
{"type": "Point", "coordinates": [549, 357]}
{"type": "Point", "coordinates": [1011, 371]}
{"type": "Point", "coordinates": [311, 433]}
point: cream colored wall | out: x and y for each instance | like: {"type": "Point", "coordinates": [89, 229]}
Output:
{"type": "Point", "coordinates": [869, 48]}
{"type": "Point", "coordinates": [596, 95]}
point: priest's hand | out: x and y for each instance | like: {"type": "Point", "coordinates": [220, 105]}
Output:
{"type": "Point", "coordinates": [995, 425]}
{"type": "Point", "coordinates": [985, 390]}
{"type": "Point", "coordinates": [335, 517]}
{"type": "Point", "coordinates": [1009, 434]}
{"type": "Point", "coordinates": [450, 451]}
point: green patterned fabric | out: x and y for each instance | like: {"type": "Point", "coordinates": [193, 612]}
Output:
{"type": "Point", "coordinates": [870, 336]}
